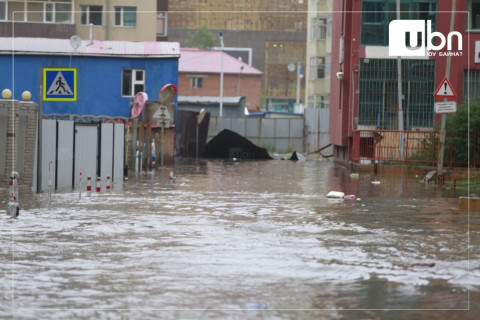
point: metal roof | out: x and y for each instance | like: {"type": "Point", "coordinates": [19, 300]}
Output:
{"type": "Point", "coordinates": [203, 99]}
{"type": "Point", "coordinates": [209, 61]}
{"type": "Point", "coordinates": [148, 49]}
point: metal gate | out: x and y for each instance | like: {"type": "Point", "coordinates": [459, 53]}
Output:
{"type": "Point", "coordinates": [67, 148]}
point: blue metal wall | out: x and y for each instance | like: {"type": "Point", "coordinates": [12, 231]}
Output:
{"type": "Point", "coordinates": [99, 80]}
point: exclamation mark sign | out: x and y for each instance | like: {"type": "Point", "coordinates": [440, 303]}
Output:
{"type": "Point", "coordinates": [445, 85]}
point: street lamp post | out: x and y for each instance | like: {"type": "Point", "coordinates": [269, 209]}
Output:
{"type": "Point", "coordinates": [220, 35]}
{"type": "Point", "coordinates": [239, 80]}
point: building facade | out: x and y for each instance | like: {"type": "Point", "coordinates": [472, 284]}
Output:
{"type": "Point", "coordinates": [319, 48]}
{"type": "Point", "coordinates": [200, 71]}
{"type": "Point", "coordinates": [364, 81]}
{"type": "Point", "coordinates": [269, 35]}
{"type": "Point", "coordinates": [94, 79]}
{"type": "Point", "coordinates": [132, 20]}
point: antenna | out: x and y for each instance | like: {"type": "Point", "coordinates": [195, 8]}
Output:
{"type": "Point", "coordinates": [138, 103]}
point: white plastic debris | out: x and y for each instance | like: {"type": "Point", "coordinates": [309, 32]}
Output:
{"type": "Point", "coordinates": [335, 194]}
{"type": "Point", "coordinates": [375, 182]}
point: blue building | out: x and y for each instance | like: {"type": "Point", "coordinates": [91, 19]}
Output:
{"type": "Point", "coordinates": [86, 78]}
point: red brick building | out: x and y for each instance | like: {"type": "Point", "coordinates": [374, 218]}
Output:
{"type": "Point", "coordinates": [364, 86]}
{"type": "Point", "coordinates": [199, 75]}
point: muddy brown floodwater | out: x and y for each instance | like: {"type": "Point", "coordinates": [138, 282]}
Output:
{"type": "Point", "coordinates": [243, 240]}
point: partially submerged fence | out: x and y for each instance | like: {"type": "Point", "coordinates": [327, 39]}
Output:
{"type": "Point", "coordinates": [417, 147]}
{"type": "Point", "coordinates": [68, 148]}
{"type": "Point", "coordinates": [274, 134]}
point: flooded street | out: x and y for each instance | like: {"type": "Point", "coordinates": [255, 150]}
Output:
{"type": "Point", "coordinates": [243, 240]}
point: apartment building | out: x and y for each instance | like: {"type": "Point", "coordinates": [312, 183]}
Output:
{"type": "Point", "coordinates": [128, 20]}
{"type": "Point", "coordinates": [268, 35]}
{"type": "Point", "coordinates": [364, 81]}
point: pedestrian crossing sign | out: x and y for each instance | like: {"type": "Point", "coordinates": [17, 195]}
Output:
{"type": "Point", "coordinates": [59, 84]}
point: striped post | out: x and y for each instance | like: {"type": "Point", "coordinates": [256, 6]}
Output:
{"type": "Point", "coordinates": [108, 186]}
{"type": "Point", "coordinates": [99, 186]}
{"type": "Point", "coordinates": [89, 186]}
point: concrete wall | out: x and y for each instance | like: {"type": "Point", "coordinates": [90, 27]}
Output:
{"type": "Point", "coordinates": [18, 132]}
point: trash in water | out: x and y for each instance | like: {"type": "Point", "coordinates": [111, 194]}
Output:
{"type": "Point", "coordinates": [335, 194]}
{"type": "Point", "coordinates": [349, 196]}
{"type": "Point", "coordinates": [354, 175]}
{"type": "Point", "coordinates": [375, 182]}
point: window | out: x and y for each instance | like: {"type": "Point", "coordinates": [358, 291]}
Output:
{"type": "Point", "coordinates": [162, 24]}
{"type": "Point", "coordinates": [320, 67]}
{"type": "Point", "coordinates": [58, 13]}
{"type": "Point", "coordinates": [91, 14]}
{"type": "Point", "coordinates": [126, 16]}
{"type": "Point", "coordinates": [378, 93]}
{"type": "Point", "coordinates": [471, 84]}
{"type": "Point", "coordinates": [133, 82]}
{"type": "Point", "coordinates": [319, 29]}
{"type": "Point", "coordinates": [16, 11]}
{"type": "Point", "coordinates": [196, 82]}
{"type": "Point", "coordinates": [376, 16]}
{"type": "Point", "coordinates": [3, 12]}
{"type": "Point", "coordinates": [474, 14]}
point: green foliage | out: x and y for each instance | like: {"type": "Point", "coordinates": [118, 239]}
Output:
{"type": "Point", "coordinates": [459, 128]}
{"type": "Point", "coordinates": [203, 38]}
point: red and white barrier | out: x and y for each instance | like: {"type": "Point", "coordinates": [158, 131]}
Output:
{"type": "Point", "coordinates": [89, 186]}
{"type": "Point", "coordinates": [99, 185]}
{"type": "Point", "coordinates": [109, 185]}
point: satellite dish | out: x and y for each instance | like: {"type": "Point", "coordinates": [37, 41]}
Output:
{"type": "Point", "coordinates": [75, 42]}
{"type": "Point", "coordinates": [291, 67]}
{"type": "Point", "coordinates": [138, 104]}
{"type": "Point", "coordinates": [167, 93]}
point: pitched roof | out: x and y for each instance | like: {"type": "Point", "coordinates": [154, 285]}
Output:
{"type": "Point", "coordinates": [148, 49]}
{"type": "Point", "coordinates": [208, 61]}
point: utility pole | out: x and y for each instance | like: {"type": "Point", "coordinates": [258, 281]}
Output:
{"type": "Point", "coordinates": [441, 151]}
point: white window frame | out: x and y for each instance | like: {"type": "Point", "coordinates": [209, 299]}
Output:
{"type": "Point", "coordinates": [134, 81]}
{"type": "Point", "coordinates": [88, 15]}
{"type": "Point", "coordinates": [194, 81]}
{"type": "Point", "coordinates": [122, 17]}
{"type": "Point", "coordinates": [163, 15]}
{"type": "Point", "coordinates": [471, 17]}
{"type": "Point", "coordinates": [5, 10]}
{"type": "Point", "coordinates": [54, 11]}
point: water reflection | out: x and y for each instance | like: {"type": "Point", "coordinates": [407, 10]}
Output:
{"type": "Point", "coordinates": [250, 239]}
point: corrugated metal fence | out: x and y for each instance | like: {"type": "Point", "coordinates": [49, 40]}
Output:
{"type": "Point", "coordinates": [274, 134]}
{"type": "Point", "coordinates": [67, 148]}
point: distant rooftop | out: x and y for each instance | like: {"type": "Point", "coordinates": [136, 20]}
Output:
{"type": "Point", "coordinates": [150, 49]}
{"type": "Point", "coordinates": [208, 61]}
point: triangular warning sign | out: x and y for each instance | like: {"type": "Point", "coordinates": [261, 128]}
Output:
{"type": "Point", "coordinates": [445, 90]}
{"type": "Point", "coordinates": [59, 86]}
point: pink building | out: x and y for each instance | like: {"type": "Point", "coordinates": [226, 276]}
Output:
{"type": "Point", "coordinates": [199, 76]}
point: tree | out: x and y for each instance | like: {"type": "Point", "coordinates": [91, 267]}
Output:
{"type": "Point", "coordinates": [203, 38]}
{"type": "Point", "coordinates": [459, 127]}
